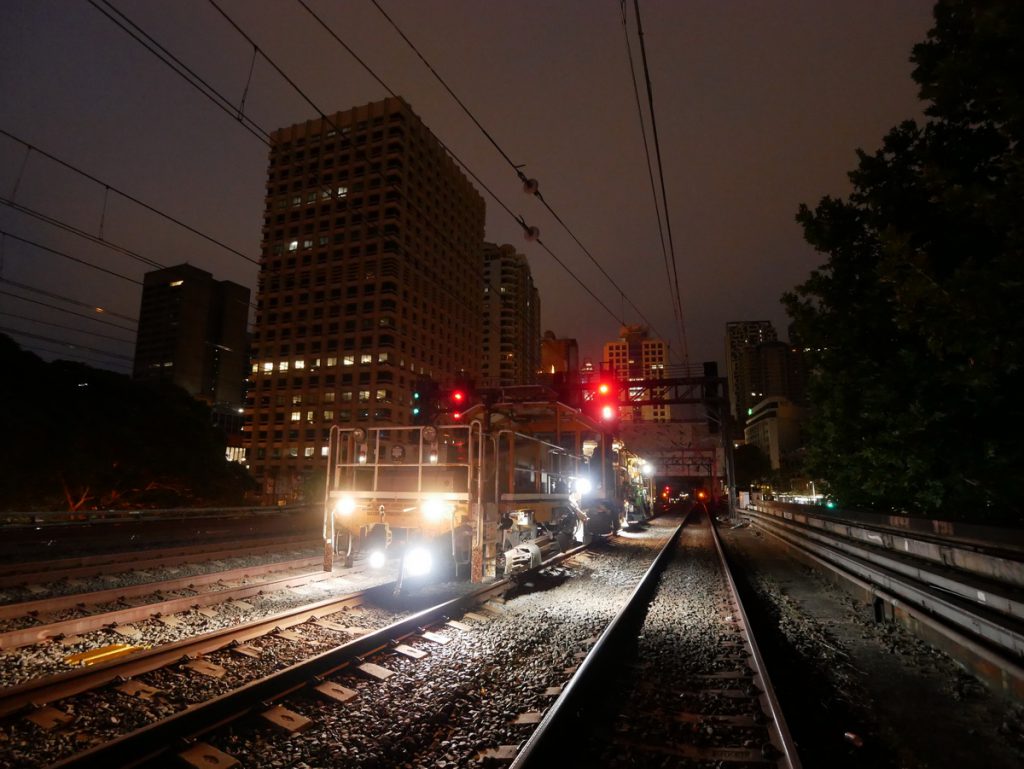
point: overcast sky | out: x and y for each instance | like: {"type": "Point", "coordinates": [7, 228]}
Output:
{"type": "Point", "coordinates": [759, 106]}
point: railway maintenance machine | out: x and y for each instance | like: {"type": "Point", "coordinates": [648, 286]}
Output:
{"type": "Point", "coordinates": [491, 494]}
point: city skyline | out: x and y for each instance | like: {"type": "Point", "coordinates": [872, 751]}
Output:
{"type": "Point", "coordinates": [758, 110]}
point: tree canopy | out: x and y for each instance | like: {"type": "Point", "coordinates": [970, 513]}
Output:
{"type": "Point", "coordinates": [75, 436]}
{"type": "Point", "coordinates": [914, 320]}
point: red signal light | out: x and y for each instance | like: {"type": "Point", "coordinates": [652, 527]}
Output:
{"type": "Point", "coordinates": [456, 415]}
{"type": "Point", "coordinates": [604, 388]}
{"type": "Point", "coordinates": [458, 396]}
{"type": "Point", "coordinates": [607, 413]}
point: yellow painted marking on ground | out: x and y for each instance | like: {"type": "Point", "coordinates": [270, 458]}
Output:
{"type": "Point", "coordinates": [102, 654]}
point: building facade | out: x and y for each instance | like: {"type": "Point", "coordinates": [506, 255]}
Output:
{"type": "Point", "coordinates": [635, 356]}
{"type": "Point", "coordinates": [193, 332]}
{"type": "Point", "coordinates": [558, 356]}
{"type": "Point", "coordinates": [370, 279]}
{"type": "Point", "coordinates": [774, 427]}
{"type": "Point", "coordinates": [511, 319]}
{"type": "Point", "coordinates": [743, 376]}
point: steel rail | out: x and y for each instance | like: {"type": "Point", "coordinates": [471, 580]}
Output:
{"type": "Point", "coordinates": [13, 639]}
{"type": "Point", "coordinates": [50, 571]}
{"type": "Point", "coordinates": [45, 690]}
{"type": "Point", "coordinates": [547, 745]}
{"type": "Point", "coordinates": [778, 729]}
{"type": "Point", "coordinates": [146, 744]}
{"type": "Point", "coordinates": [999, 556]}
{"type": "Point", "coordinates": [989, 592]}
{"type": "Point", "coordinates": [71, 600]}
{"type": "Point", "coordinates": [963, 606]}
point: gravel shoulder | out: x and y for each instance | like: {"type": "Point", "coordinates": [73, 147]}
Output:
{"type": "Point", "coordinates": [859, 693]}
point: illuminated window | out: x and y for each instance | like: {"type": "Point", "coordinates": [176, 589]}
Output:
{"type": "Point", "coordinates": [349, 360]}
{"type": "Point", "coordinates": [268, 366]}
{"type": "Point", "coordinates": [332, 362]}
{"type": "Point", "coordinates": [342, 192]}
{"type": "Point", "coordinates": [309, 416]}
{"type": "Point", "coordinates": [364, 395]}
{"type": "Point", "coordinates": [308, 451]}
{"type": "Point", "coordinates": [300, 364]}
{"type": "Point", "coordinates": [282, 366]}
{"type": "Point", "coordinates": [383, 357]}
{"type": "Point", "coordinates": [293, 245]}
{"type": "Point", "coordinates": [296, 416]}
{"type": "Point", "coordinates": [323, 451]}
{"type": "Point", "coordinates": [175, 283]}
{"type": "Point", "coordinates": [365, 358]}
{"type": "Point", "coordinates": [328, 415]}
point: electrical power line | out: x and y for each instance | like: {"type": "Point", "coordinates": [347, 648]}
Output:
{"type": "Point", "coordinates": [80, 233]}
{"type": "Point", "coordinates": [661, 175]}
{"type": "Point", "coordinates": [16, 332]}
{"type": "Point", "coordinates": [61, 309]}
{"type": "Point", "coordinates": [72, 258]}
{"type": "Point", "coordinates": [66, 327]}
{"type": "Point", "coordinates": [529, 185]}
{"type": "Point", "coordinates": [183, 70]}
{"type": "Point", "coordinates": [70, 300]}
{"type": "Point", "coordinates": [78, 357]}
{"type": "Point", "coordinates": [127, 196]}
{"type": "Point", "coordinates": [528, 231]}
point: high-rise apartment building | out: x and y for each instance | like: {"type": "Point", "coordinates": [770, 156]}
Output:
{"type": "Point", "coordinates": [511, 313]}
{"type": "Point", "coordinates": [635, 355]}
{"type": "Point", "coordinates": [740, 337]}
{"type": "Point", "coordinates": [370, 278]}
{"type": "Point", "coordinates": [772, 369]}
{"type": "Point", "coordinates": [193, 332]}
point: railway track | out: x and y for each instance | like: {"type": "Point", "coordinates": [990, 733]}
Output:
{"type": "Point", "coordinates": [676, 679]}
{"type": "Point", "coordinates": [56, 576]}
{"type": "Point", "coordinates": [963, 596]}
{"type": "Point", "coordinates": [463, 681]}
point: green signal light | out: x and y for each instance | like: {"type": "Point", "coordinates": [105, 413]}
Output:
{"type": "Point", "coordinates": [415, 410]}
{"type": "Point", "coordinates": [415, 396]}
{"type": "Point", "coordinates": [830, 505]}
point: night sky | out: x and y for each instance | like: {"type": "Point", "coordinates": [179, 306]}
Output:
{"type": "Point", "coordinates": [759, 105]}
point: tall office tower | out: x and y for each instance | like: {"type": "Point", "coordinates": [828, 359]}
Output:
{"type": "Point", "coordinates": [511, 328]}
{"type": "Point", "coordinates": [637, 356]}
{"type": "Point", "coordinates": [369, 280]}
{"type": "Point", "coordinates": [773, 369]}
{"type": "Point", "coordinates": [193, 332]}
{"type": "Point", "coordinates": [740, 336]}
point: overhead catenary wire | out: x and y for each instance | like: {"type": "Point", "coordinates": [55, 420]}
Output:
{"type": "Point", "coordinates": [676, 309]}
{"type": "Point", "coordinates": [529, 185]}
{"type": "Point", "coordinates": [183, 70]}
{"type": "Point", "coordinates": [67, 327]}
{"type": "Point", "coordinates": [127, 196]}
{"type": "Point", "coordinates": [101, 241]}
{"type": "Point", "coordinates": [661, 176]}
{"type": "Point", "coordinates": [70, 300]}
{"type": "Point", "coordinates": [16, 332]}
{"type": "Point", "coordinates": [72, 258]}
{"type": "Point", "coordinates": [76, 357]}
{"type": "Point", "coordinates": [323, 115]}
{"type": "Point", "coordinates": [69, 312]}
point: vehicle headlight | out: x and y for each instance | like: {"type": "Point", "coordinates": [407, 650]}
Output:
{"type": "Point", "coordinates": [377, 559]}
{"type": "Point", "coordinates": [345, 506]}
{"type": "Point", "coordinates": [583, 485]}
{"type": "Point", "coordinates": [418, 562]}
{"type": "Point", "coordinates": [435, 509]}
